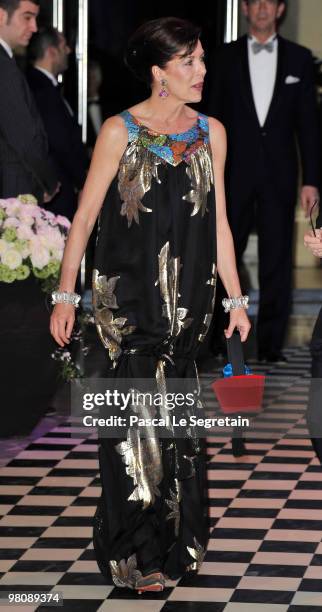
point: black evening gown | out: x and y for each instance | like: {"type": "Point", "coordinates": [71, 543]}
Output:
{"type": "Point", "coordinates": [154, 285]}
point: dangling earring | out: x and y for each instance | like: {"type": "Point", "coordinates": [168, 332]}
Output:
{"type": "Point", "coordinates": [163, 92]}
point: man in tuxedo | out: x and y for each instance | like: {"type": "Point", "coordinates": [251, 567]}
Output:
{"type": "Point", "coordinates": [262, 89]}
{"type": "Point", "coordinates": [48, 53]}
{"type": "Point", "coordinates": [24, 163]}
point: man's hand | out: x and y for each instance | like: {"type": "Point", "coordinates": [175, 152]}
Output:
{"type": "Point", "coordinates": [48, 197]}
{"type": "Point", "coordinates": [314, 243]}
{"type": "Point", "coordinates": [309, 195]}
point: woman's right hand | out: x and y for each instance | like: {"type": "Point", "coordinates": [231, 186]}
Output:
{"type": "Point", "coordinates": [62, 322]}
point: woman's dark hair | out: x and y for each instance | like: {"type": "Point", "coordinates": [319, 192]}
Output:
{"type": "Point", "coordinates": [155, 43]}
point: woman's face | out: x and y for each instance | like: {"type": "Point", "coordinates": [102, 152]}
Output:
{"type": "Point", "coordinates": [184, 75]}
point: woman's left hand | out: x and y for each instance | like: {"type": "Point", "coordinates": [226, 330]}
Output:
{"type": "Point", "coordinates": [238, 320]}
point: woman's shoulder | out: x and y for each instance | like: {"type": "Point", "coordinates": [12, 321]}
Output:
{"type": "Point", "coordinates": [216, 127]}
{"type": "Point", "coordinates": [115, 125]}
{"type": "Point", "coordinates": [217, 132]}
{"type": "Point", "coordinates": [114, 131]}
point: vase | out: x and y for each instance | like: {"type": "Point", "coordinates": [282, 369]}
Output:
{"type": "Point", "coordinates": [28, 374]}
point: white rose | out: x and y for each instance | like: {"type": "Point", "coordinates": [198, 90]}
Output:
{"type": "Point", "coordinates": [31, 209]}
{"type": "Point", "coordinates": [12, 259]}
{"type": "Point", "coordinates": [58, 254]}
{"type": "Point", "coordinates": [55, 239]}
{"type": "Point", "coordinates": [35, 242]}
{"type": "Point", "coordinates": [40, 256]}
{"type": "Point", "coordinates": [24, 232]}
{"type": "Point", "coordinates": [42, 239]}
{"type": "Point", "coordinates": [24, 250]}
{"type": "Point", "coordinates": [11, 222]}
{"type": "Point", "coordinates": [26, 219]}
{"type": "Point", "coordinates": [4, 246]}
{"type": "Point", "coordinates": [12, 206]}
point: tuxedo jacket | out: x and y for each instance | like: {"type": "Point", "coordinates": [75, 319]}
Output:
{"type": "Point", "coordinates": [25, 166]}
{"type": "Point", "coordinates": [65, 141]}
{"type": "Point", "coordinates": [292, 117]}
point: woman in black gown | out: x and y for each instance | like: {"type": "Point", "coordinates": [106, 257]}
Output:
{"type": "Point", "coordinates": [161, 240]}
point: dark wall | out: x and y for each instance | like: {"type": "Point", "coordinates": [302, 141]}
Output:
{"type": "Point", "coordinates": [46, 13]}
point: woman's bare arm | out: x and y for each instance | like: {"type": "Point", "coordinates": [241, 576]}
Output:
{"type": "Point", "coordinates": [109, 148]}
{"type": "Point", "coordinates": [226, 260]}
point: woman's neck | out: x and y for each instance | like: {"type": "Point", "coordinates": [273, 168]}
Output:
{"type": "Point", "coordinates": [164, 112]}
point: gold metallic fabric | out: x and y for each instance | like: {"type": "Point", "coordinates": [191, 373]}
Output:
{"type": "Point", "coordinates": [169, 271]}
{"type": "Point", "coordinates": [110, 328]}
{"type": "Point", "coordinates": [200, 173]}
{"type": "Point", "coordinates": [137, 169]}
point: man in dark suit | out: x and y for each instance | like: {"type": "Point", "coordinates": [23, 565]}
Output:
{"type": "Point", "coordinates": [48, 52]}
{"type": "Point", "coordinates": [262, 89]}
{"type": "Point", "coordinates": [24, 163]}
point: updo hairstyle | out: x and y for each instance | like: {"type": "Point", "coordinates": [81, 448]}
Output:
{"type": "Point", "coordinates": [155, 43]}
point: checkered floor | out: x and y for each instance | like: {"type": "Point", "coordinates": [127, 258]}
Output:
{"type": "Point", "coordinates": [265, 550]}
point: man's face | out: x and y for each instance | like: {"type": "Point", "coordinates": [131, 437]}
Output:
{"type": "Point", "coordinates": [262, 15]}
{"type": "Point", "coordinates": [61, 54]}
{"type": "Point", "coordinates": [19, 28]}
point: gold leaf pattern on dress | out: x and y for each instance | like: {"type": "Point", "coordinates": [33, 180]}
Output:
{"type": "Point", "coordinates": [105, 288]}
{"type": "Point", "coordinates": [169, 271]}
{"type": "Point", "coordinates": [110, 329]}
{"type": "Point", "coordinates": [137, 168]}
{"type": "Point", "coordinates": [200, 173]}
{"type": "Point", "coordinates": [142, 458]}
{"type": "Point", "coordinates": [125, 572]}
{"type": "Point", "coordinates": [197, 553]}
{"type": "Point", "coordinates": [162, 389]}
{"type": "Point", "coordinates": [206, 324]}
{"type": "Point", "coordinates": [208, 317]}
{"type": "Point", "coordinates": [174, 505]}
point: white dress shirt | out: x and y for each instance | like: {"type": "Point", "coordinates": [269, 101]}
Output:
{"type": "Point", "coordinates": [48, 74]}
{"type": "Point", "coordinates": [262, 68]}
{"type": "Point", "coordinates": [6, 47]}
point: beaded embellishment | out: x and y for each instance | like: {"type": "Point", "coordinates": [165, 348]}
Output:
{"type": "Point", "coordinates": [173, 148]}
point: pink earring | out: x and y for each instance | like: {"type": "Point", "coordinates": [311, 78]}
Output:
{"type": "Point", "coordinates": [163, 92]}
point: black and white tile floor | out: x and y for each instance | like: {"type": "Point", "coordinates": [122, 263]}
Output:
{"type": "Point", "coordinates": [265, 549]}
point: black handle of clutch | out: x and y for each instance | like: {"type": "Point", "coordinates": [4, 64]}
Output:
{"type": "Point", "coordinates": [235, 354]}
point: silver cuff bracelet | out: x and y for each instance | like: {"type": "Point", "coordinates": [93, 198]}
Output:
{"type": "Point", "coordinates": [237, 302]}
{"type": "Point", "coordinates": [65, 297]}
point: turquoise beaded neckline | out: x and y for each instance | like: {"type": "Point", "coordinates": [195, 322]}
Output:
{"type": "Point", "coordinates": [172, 148]}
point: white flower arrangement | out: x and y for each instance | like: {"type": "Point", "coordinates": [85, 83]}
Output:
{"type": "Point", "coordinates": [32, 240]}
